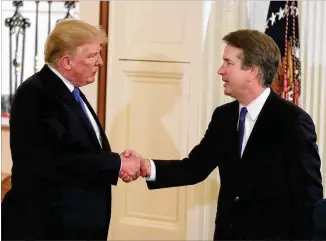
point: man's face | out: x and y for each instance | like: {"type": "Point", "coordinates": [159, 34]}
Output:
{"type": "Point", "coordinates": [234, 77]}
{"type": "Point", "coordinates": [85, 63]}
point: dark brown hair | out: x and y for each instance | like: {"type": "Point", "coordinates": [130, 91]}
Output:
{"type": "Point", "coordinates": [258, 49]}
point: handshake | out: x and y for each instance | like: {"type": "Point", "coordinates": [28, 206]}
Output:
{"type": "Point", "coordinates": [133, 166]}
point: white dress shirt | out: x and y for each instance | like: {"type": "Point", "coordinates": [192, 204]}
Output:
{"type": "Point", "coordinates": [71, 87]}
{"type": "Point", "coordinates": [253, 108]}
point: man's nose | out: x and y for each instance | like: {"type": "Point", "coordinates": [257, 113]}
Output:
{"type": "Point", "coordinates": [220, 71]}
{"type": "Point", "coordinates": [99, 60]}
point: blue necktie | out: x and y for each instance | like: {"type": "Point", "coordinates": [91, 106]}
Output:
{"type": "Point", "coordinates": [76, 94]}
{"type": "Point", "coordinates": [242, 118]}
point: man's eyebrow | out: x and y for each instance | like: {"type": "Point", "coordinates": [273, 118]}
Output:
{"type": "Point", "coordinates": [95, 51]}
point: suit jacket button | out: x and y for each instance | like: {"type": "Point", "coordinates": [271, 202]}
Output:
{"type": "Point", "coordinates": [236, 199]}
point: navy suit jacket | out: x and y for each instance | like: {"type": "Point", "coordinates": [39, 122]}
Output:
{"type": "Point", "coordinates": [320, 220]}
{"type": "Point", "coordinates": [271, 191]}
{"type": "Point", "coordinates": [61, 176]}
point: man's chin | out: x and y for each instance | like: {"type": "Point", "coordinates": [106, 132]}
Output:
{"type": "Point", "coordinates": [227, 92]}
{"type": "Point", "coordinates": [91, 80]}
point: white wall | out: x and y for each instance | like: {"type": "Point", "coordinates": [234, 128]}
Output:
{"type": "Point", "coordinates": [257, 14]}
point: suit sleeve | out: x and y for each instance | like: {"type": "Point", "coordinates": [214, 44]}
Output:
{"type": "Point", "coordinates": [305, 177]}
{"type": "Point", "coordinates": [41, 147]}
{"type": "Point", "coordinates": [201, 161]}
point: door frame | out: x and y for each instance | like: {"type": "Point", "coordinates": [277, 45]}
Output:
{"type": "Point", "coordinates": [103, 75]}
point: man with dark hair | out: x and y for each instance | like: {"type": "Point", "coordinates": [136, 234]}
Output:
{"type": "Point", "coordinates": [265, 148]}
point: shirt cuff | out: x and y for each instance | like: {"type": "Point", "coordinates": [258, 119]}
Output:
{"type": "Point", "coordinates": [152, 177]}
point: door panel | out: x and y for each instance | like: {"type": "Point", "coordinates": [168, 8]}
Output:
{"type": "Point", "coordinates": [148, 110]}
{"type": "Point", "coordinates": [149, 122]}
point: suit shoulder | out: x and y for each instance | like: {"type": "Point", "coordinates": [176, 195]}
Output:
{"type": "Point", "coordinates": [287, 111]}
{"type": "Point", "coordinates": [225, 108]}
{"type": "Point", "coordinates": [30, 86]}
{"type": "Point", "coordinates": [33, 82]}
{"type": "Point", "coordinates": [29, 92]}
{"type": "Point", "coordinates": [288, 107]}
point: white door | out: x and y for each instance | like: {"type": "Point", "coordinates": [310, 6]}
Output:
{"type": "Point", "coordinates": [149, 110]}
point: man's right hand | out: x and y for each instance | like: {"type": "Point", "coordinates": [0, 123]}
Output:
{"type": "Point", "coordinates": [130, 164]}
{"type": "Point", "coordinates": [145, 167]}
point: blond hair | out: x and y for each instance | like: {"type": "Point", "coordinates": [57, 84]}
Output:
{"type": "Point", "coordinates": [67, 36]}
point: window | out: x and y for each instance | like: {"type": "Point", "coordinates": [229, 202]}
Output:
{"type": "Point", "coordinates": [39, 17]}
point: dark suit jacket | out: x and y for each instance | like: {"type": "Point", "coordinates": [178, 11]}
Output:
{"type": "Point", "coordinates": [61, 177]}
{"type": "Point", "coordinates": [270, 192]}
{"type": "Point", "coordinates": [320, 220]}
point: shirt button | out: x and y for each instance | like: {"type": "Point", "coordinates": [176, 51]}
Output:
{"type": "Point", "coordinates": [236, 199]}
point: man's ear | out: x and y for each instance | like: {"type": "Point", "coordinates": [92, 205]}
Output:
{"type": "Point", "coordinates": [254, 73]}
{"type": "Point", "coordinates": [66, 62]}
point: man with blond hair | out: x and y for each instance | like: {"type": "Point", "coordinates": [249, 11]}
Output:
{"type": "Point", "coordinates": [63, 166]}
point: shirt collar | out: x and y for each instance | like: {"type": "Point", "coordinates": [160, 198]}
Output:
{"type": "Point", "coordinates": [255, 106]}
{"type": "Point", "coordinates": [69, 85]}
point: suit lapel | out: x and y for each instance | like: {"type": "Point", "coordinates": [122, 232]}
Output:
{"type": "Point", "coordinates": [262, 127]}
{"type": "Point", "coordinates": [56, 86]}
{"type": "Point", "coordinates": [231, 124]}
